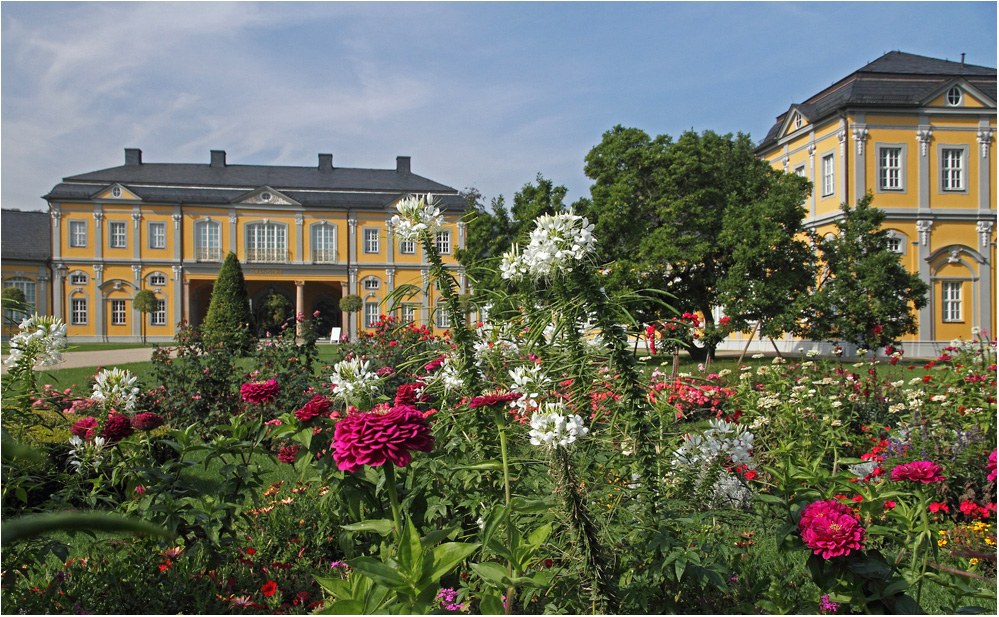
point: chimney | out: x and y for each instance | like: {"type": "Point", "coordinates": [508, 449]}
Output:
{"type": "Point", "coordinates": [325, 162]}
{"type": "Point", "coordinates": [218, 158]}
{"type": "Point", "coordinates": [133, 156]}
{"type": "Point", "coordinates": [402, 164]}
{"type": "Point", "coordinates": [962, 60]}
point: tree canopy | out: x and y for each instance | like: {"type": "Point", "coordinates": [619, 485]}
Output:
{"type": "Point", "coordinates": [145, 302]}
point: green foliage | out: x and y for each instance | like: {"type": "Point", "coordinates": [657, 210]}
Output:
{"type": "Point", "coordinates": [351, 303]}
{"type": "Point", "coordinates": [273, 313]}
{"type": "Point", "coordinates": [145, 302]}
{"type": "Point", "coordinates": [865, 296]}
{"type": "Point", "coordinates": [229, 322]}
{"type": "Point", "coordinates": [720, 227]}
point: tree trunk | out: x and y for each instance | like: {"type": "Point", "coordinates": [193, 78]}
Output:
{"type": "Point", "coordinates": [748, 341]}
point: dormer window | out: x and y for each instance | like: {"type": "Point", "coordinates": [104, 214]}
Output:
{"type": "Point", "coordinates": [797, 121]}
{"type": "Point", "coordinates": [116, 192]}
{"type": "Point", "coordinates": [954, 97]}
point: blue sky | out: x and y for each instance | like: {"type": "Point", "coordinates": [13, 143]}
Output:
{"type": "Point", "coordinates": [478, 94]}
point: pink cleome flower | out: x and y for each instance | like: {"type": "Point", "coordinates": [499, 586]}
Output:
{"type": "Point", "coordinates": [260, 392]}
{"type": "Point", "coordinates": [919, 471]}
{"type": "Point", "coordinates": [374, 438]}
{"type": "Point", "coordinates": [831, 529]}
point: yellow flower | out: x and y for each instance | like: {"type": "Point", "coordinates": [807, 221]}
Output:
{"type": "Point", "coordinates": [941, 542]}
{"type": "Point", "coordinates": [973, 561]}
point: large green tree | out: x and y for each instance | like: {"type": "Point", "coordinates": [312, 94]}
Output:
{"type": "Point", "coordinates": [864, 295]}
{"type": "Point", "coordinates": [702, 219]}
{"type": "Point", "coordinates": [229, 322]}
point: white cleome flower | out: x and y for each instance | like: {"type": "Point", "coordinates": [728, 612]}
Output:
{"type": "Point", "coordinates": [115, 388]}
{"type": "Point", "coordinates": [353, 379]}
{"type": "Point", "coordinates": [41, 341]}
{"type": "Point", "coordinates": [557, 242]}
{"type": "Point", "coordinates": [551, 429]}
{"type": "Point", "coordinates": [417, 214]}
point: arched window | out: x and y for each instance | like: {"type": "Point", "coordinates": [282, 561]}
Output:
{"type": "Point", "coordinates": [266, 243]}
{"type": "Point", "coordinates": [27, 286]}
{"type": "Point", "coordinates": [323, 243]}
{"type": "Point", "coordinates": [207, 246]}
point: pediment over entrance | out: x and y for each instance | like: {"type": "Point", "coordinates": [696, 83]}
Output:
{"type": "Point", "coordinates": [265, 196]}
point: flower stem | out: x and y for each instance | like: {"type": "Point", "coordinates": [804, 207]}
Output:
{"type": "Point", "coordinates": [509, 530]}
{"type": "Point", "coordinates": [393, 498]}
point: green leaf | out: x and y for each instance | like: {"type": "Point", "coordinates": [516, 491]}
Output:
{"type": "Point", "coordinates": [448, 555]}
{"type": "Point", "coordinates": [381, 573]}
{"type": "Point", "coordinates": [10, 449]}
{"type": "Point", "coordinates": [336, 586]}
{"type": "Point", "coordinates": [529, 506]}
{"type": "Point", "coordinates": [767, 498]}
{"type": "Point", "coordinates": [344, 607]}
{"type": "Point", "coordinates": [382, 526]}
{"type": "Point", "coordinates": [483, 466]}
{"type": "Point", "coordinates": [492, 573]}
{"type": "Point", "coordinates": [38, 524]}
{"type": "Point", "coordinates": [491, 604]}
{"type": "Point", "coordinates": [410, 553]}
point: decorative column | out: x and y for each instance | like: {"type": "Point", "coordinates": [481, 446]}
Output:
{"type": "Point", "coordinates": [389, 242]}
{"type": "Point", "coordinates": [984, 167]}
{"type": "Point", "coordinates": [389, 281]}
{"type": "Point", "coordinates": [299, 306]}
{"type": "Point", "coordinates": [178, 294]}
{"type": "Point", "coordinates": [352, 239]}
{"type": "Point", "coordinates": [860, 165]}
{"type": "Point", "coordinates": [461, 234]}
{"type": "Point", "coordinates": [841, 170]}
{"type": "Point", "coordinates": [98, 234]}
{"type": "Point", "coordinates": [814, 198]}
{"type": "Point", "coordinates": [56, 235]}
{"type": "Point", "coordinates": [43, 297]}
{"type": "Point", "coordinates": [299, 237]}
{"type": "Point", "coordinates": [984, 312]}
{"type": "Point", "coordinates": [351, 320]}
{"type": "Point", "coordinates": [425, 304]}
{"type": "Point", "coordinates": [136, 233]}
{"type": "Point", "coordinates": [186, 299]}
{"type": "Point", "coordinates": [233, 219]}
{"type": "Point", "coordinates": [137, 278]}
{"type": "Point", "coordinates": [925, 326]}
{"type": "Point", "coordinates": [59, 293]}
{"type": "Point", "coordinates": [178, 238]}
{"type": "Point", "coordinates": [923, 135]}
{"type": "Point", "coordinates": [99, 328]}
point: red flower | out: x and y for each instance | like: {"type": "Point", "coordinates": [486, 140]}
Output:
{"type": "Point", "coordinates": [146, 421]}
{"type": "Point", "coordinates": [319, 405]}
{"type": "Point", "coordinates": [937, 507]}
{"type": "Point", "coordinates": [487, 400]}
{"type": "Point", "coordinates": [750, 475]}
{"type": "Point", "coordinates": [831, 529]}
{"type": "Point", "coordinates": [920, 471]}
{"type": "Point", "coordinates": [288, 454]}
{"type": "Point", "coordinates": [116, 428]}
{"type": "Point", "coordinates": [84, 428]}
{"type": "Point", "coordinates": [889, 504]}
{"type": "Point", "coordinates": [408, 394]}
{"type": "Point", "coordinates": [251, 551]}
{"type": "Point", "coordinates": [374, 438]}
{"type": "Point", "coordinates": [260, 391]}
{"type": "Point", "coordinates": [269, 588]}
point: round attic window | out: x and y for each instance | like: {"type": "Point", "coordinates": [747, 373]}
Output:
{"type": "Point", "coordinates": [116, 191]}
{"type": "Point", "coordinates": [265, 196]}
{"type": "Point", "coordinates": [954, 96]}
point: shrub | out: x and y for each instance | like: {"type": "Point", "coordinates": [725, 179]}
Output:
{"type": "Point", "coordinates": [229, 322]}
{"type": "Point", "coordinates": [351, 303]}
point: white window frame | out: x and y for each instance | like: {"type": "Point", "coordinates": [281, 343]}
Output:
{"type": "Point", "coordinates": [158, 316]}
{"type": "Point", "coordinates": [895, 244]}
{"type": "Point", "coordinates": [828, 166]}
{"type": "Point", "coordinates": [951, 174]}
{"type": "Point", "coordinates": [75, 276]}
{"type": "Point", "coordinates": [370, 313]}
{"type": "Point", "coordinates": [157, 279]}
{"type": "Point", "coordinates": [372, 283]}
{"type": "Point", "coordinates": [157, 235]}
{"type": "Point", "coordinates": [442, 240]}
{"type": "Point", "coordinates": [29, 288]}
{"type": "Point", "coordinates": [207, 240]}
{"type": "Point", "coordinates": [408, 313]}
{"type": "Point", "coordinates": [960, 97]}
{"type": "Point", "coordinates": [323, 243]}
{"type": "Point", "coordinates": [78, 234]}
{"type": "Point", "coordinates": [79, 313]}
{"type": "Point", "coordinates": [407, 247]}
{"type": "Point", "coordinates": [119, 313]}
{"type": "Point", "coordinates": [117, 240]}
{"type": "Point", "coordinates": [371, 240]}
{"type": "Point", "coordinates": [266, 242]}
{"type": "Point", "coordinates": [442, 320]}
{"type": "Point", "coordinates": [891, 168]}
{"type": "Point", "coordinates": [950, 301]}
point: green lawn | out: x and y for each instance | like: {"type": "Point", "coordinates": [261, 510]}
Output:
{"type": "Point", "coordinates": [5, 347]}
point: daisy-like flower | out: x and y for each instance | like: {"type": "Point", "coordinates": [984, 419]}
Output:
{"type": "Point", "coordinates": [926, 472]}
{"type": "Point", "coordinates": [417, 214]}
{"type": "Point", "coordinates": [550, 428]}
{"type": "Point", "coordinates": [831, 529]}
{"type": "Point", "coordinates": [41, 341]}
{"type": "Point", "coordinates": [557, 242]}
{"type": "Point", "coordinates": [375, 438]}
{"type": "Point", "coordinates": [115, 388]}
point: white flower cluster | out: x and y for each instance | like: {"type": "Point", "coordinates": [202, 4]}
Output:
{"type": "Point", "coordinates": [354, 381]}
{"type": "Point", "coordinates": [530, 382]}
{"type": "Point", "coordinates": [448, 375]}
{"type": "Point", "coordinates": [556, 243]}
{"type": "Point", "coordinates": [722, 439]}
{"type": "Point", "coordinates": [41, 341]}
{"type": "Point", "coordinates": [550, 428]}
{"type": "Point", "coordinates": [417, 214]}
{"type": "Point", "coordinates": [85, 453]}
{"type": "Point", "coordinates": [494, 341]}
{"type": "Point", "coordinates": [115, 388]}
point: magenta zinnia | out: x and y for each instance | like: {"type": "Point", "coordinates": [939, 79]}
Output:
{"type": "Point", "coordinates": [919, 471]}
{"type": "Point", "coordinates": [831, 529]}
{"type": "Point", "coordinates": [287, 454]}
{"type": "Point", "coordinates": [374, 438]}
{"type": "Point", "coordinates": [84, 428]}
{"type": "Point", "coordinates": [992, 466]}
{"type": "Point", "coordinates": [319, 405]}
{"type": "Point", "coordinates": [116, 428]}
{"type": "Point", "coordinates": [146, 421]}
{"type": "Point", "coordinates": [260, 392]}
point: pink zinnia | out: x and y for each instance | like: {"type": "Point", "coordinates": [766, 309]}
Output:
{"type": "Point", "coordinates": [919, 471]}
{"type": "Point", "coordinates": [288, 454]}
{"type": "Point", "coordinates": [374, 438]}
{"type": "Point", "coordinates": [992, 466]}
{"type": "Point", "coordinates": [116, 428]}
{"type": "Point", "coordinates": [84, 428]}
{"type": "Point", "coordinates": [829, 530]}
{"type": "Point", "coordinates": [317, 406]}
{"type": "Point", "coordinates": [147, 421]}
{"type": "Point", "coordinates": [487, 400]}
{"type": "Point", "coordinates": [260, 391]}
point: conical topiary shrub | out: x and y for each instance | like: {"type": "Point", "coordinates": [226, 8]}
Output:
{"type": "Point", "coordinates": [229, 322]}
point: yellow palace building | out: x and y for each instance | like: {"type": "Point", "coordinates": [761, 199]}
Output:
{"type": "Point", "coordinates": [919, 134]}
{"type": "Point", "coordinates": [311, 234]}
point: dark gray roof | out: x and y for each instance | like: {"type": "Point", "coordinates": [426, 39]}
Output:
{"type": "Point", "coordinates": [25, 235]}
{"type": "Point", "coordinates": [209, 184]}
{"type": "Point", "coordinates": [896, 79]}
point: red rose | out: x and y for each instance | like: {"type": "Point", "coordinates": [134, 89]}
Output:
{"type": "Point", "coordinates": [147, 421]}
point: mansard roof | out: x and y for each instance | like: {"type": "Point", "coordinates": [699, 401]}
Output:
{"type": "Point", "coordinates": [221, 183]}
{"type": "Point", "coordinates": [25, 236]}
{"type": "Point", "coordinates": [895, 80]}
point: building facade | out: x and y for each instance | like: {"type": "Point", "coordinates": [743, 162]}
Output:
{"type": "Point", "coordinates": [918, 133]}
{"type": "Point", "coordinates": [25, 255]}
{"type": "Point", "coordinates": [310, 234]}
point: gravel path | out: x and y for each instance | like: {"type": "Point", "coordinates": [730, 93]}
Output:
{"type": "Point", "coordinates": [112, 357]}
